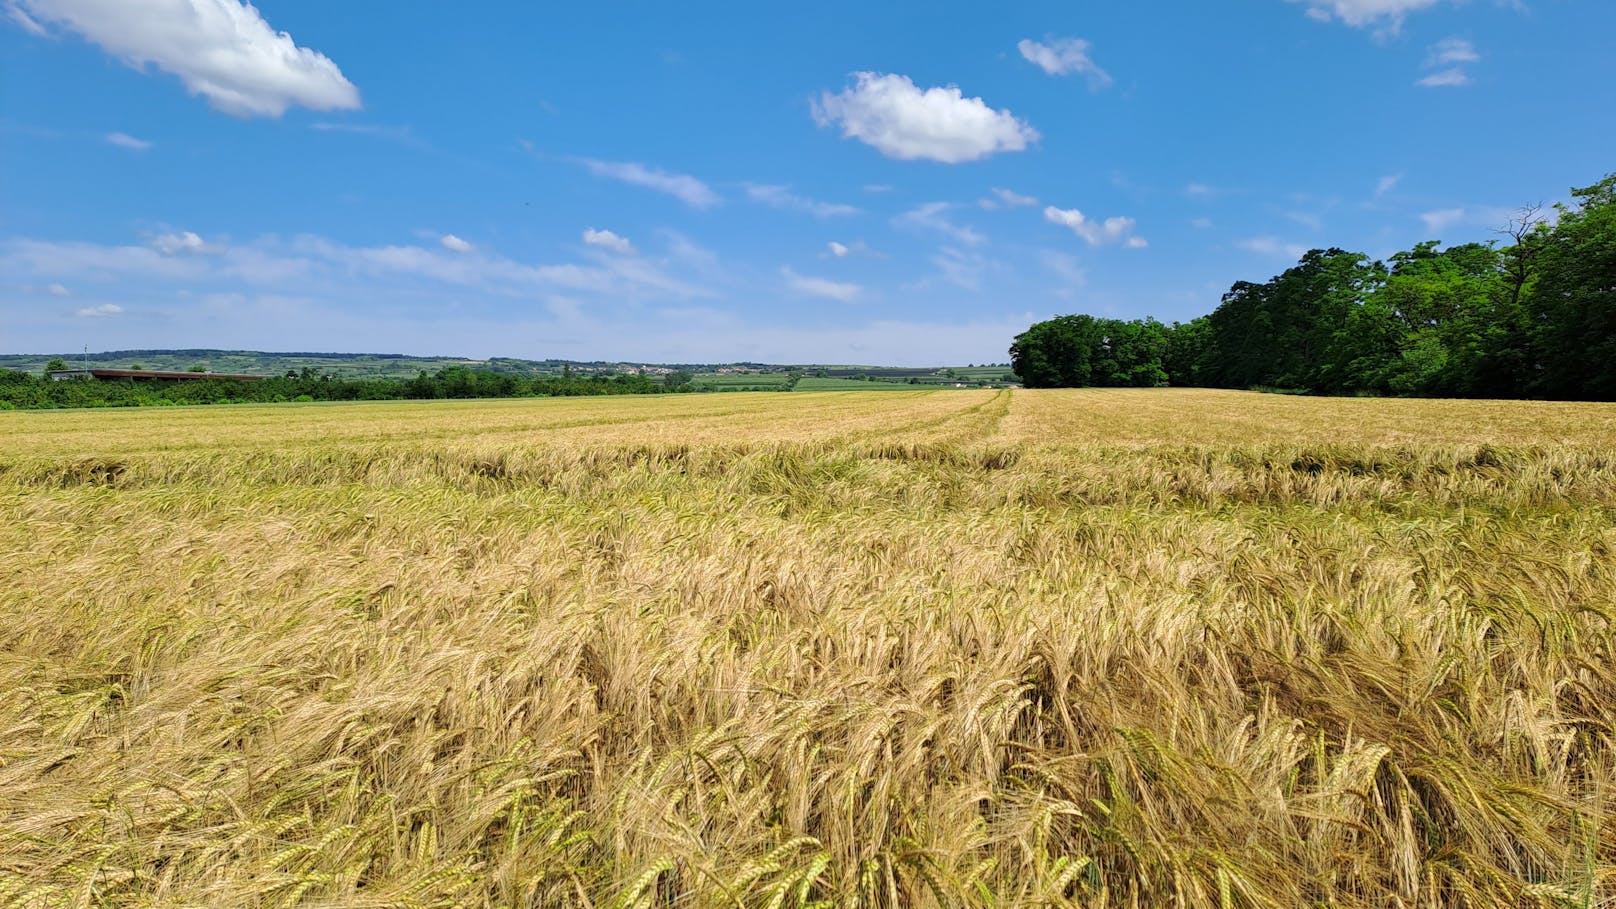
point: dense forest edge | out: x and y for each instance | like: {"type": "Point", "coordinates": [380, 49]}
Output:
{"type": "Point", "coordinates": [1532, 315]}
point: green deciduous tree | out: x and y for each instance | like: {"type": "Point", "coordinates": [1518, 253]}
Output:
{"type": "Point", "coordinates": [1533, 316]}
{"type": "Point", "coordinates": [1079, 350]}
{"type": "Point", "coordinates": [1571, 300]}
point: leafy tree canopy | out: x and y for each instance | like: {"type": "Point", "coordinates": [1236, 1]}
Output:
{"type": "Point", "coordinates": [1533, 317]}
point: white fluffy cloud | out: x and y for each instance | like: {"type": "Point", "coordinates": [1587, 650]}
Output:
{"type": "Point", "coordinates": [683, 187]}
{"type": "Point", "coordinates": [57, 290]}
{"type": "Point", "coordinates": [821, 287]}
{"type": "Point", "coordinates": [931, 216]}
{"type": "Point", "coordinates": [891, 114]}
{"type": "Point", "coordinates": [452, 242]}
{"type": "Point", "coordinates": [1385, 15]}
{"type": "Point", "coordinates": [1387, 183]}
{"type": "Point", "coordinates": [104, 311]}
{"type": "Point", "coordinates": [124, 140]}
{"type": "Point", "coordinates": [606, 239]}
{"type": "Point", "coordinates": [782, 197]}
{"type": "Point", "coordinates": [1064, 56]}
{"type": "Point", "coordinates": [838, 249]}
{"type": "Point", "coordinates": [222, 50]}
{"type": "Point", "coordinates": [1097, 233]}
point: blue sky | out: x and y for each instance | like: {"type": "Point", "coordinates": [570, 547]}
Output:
{"type": "Point", "coordinates": [832, 182]}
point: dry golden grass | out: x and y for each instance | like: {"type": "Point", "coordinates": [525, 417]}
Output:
{"type": "Point", "coordinates": [1090, 648]}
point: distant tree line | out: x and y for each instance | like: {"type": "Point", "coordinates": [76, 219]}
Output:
{"type": "Point", "coordinates": [25, 390]}
{"type": "Point", "coordinates": [1532, 317]}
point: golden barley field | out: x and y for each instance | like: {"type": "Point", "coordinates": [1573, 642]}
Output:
{"type": "Point", "coordinates": [1099, 648]}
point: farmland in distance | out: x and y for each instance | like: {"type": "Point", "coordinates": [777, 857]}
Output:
{"type": "Point", "coordinates": [918, 648]}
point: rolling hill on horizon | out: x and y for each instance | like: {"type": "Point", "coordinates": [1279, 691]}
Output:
{"type": "Point", "coordinates": [387, 365]}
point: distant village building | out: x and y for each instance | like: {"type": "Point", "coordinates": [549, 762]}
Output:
{"type": "Point", "coordinates": [144, 375]}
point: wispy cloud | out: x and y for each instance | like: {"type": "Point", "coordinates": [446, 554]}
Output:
{"type": "Point", "coordinates": [963, 267]}
{"type": "Point", "coordinates": [933, 217]}
{"type": "Point", "coordinates": [842, 291]}
{"type": "Point", "coordinates": [1064, 56]}
{"type": "Point", "coordinates": [176, 243]}
{"type": "Point", "coordinates": [683, 187]}
{"type": "Point", "coordinates": [837, 250]}
{"type": "Point", "coordinates": [1442, 219]}
{"type": "Point", "coordinates": [1305, 218]}
{"type": "Point", "coordinates": [1064, 266]}
{"type": "Point", "coordinates": [783, 198]}
{"type": "Point", "coordinates": [1453, 53]}
{"type": "Point", "coordinates": [1449, 51]}
{"type": "Point", "coordinates": [1385, 16]}
{"type": "Point", "coordinates": [124, 140]}
{"type": "Point", "coordinates": [1005, 198]}
{"type": "Point", "coordinates": [26, 21]}
{"type": "Point", "coordinates": [184, 260]}
{"type": "Point", "coordinates": [1272, 246]}
{"type": "Point", "coordinates": [1448, 78]}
